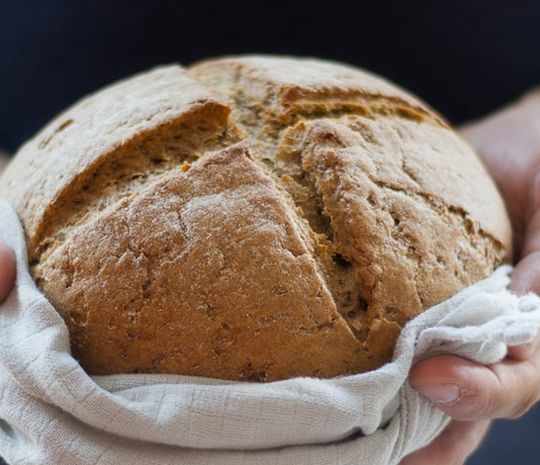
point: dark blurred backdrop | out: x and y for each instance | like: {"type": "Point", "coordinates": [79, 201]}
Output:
{"type": "Point", "coordinates": [464, 57]}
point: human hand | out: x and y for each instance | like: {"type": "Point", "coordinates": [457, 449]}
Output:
{"type": "Point", "coordinates": [472, 395]}
{"type": "Point", "coordinates": [7, 271]}
{"type": "Point", "coordinates": [509, 143]}
{"type": "Point", "coordinates": [7, 259]}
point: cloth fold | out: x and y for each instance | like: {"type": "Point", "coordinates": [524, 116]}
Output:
{"type": "Point", "coordinates": [51, 411]}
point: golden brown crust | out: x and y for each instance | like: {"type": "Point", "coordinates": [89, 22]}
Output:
{"type": "Point", "coordinates": [101, 127]}
{"type": "Point", "coordinates": [280, 89]}
{"type": "Point", "coordinates": [383, 223]}
{"type": "Point", "coordinates": [256, 218]}
{"type": "Point", "coordinates": [210, 291]}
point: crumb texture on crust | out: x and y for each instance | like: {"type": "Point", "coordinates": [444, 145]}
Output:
{"type": "Point", "coordinates": [251, 218]}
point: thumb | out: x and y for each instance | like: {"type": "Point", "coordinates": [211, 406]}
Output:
{"type": "Point", "coordinates": [468, 391]}
{"type": "Point", "coordinates": [7, 271]}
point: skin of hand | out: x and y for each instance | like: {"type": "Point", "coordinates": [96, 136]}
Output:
{"type": "Point", "coordinates": [508, 141]}
{"type": "Point", "coordinates": [7, 271]}
{"type": "Point", "coordinates": [7, 259]}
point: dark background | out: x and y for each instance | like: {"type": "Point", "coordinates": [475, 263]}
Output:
{"type": "Point", "coordinates": [464, 57]}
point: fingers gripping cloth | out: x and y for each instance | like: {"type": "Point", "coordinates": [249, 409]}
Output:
{"type": "Point", "coordinates": [51, 411]}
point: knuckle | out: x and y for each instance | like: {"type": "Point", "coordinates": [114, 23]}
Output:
{"type": "Point", "coordinates": [523, 407]}
{"type": "Point", "coordinates": [525, 394]}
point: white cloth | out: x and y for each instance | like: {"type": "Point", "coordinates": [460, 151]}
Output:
{"type": "Point", "coordinates": [52, 412]}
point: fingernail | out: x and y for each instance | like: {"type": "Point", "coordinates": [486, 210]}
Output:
{"type": "Point", "coordinates": [442, 394]}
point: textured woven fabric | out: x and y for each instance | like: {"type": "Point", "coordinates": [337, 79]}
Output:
{"type": "Point", "coordinates": [51, 411]}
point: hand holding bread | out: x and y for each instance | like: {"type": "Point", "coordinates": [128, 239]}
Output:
{"type": "Point", "coordinates": [509, 143]}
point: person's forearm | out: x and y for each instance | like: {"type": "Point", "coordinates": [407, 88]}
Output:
{"type": "Point", "coordinates": [513, 129]}
{"type": "Point", "coordinates": [508, 141]}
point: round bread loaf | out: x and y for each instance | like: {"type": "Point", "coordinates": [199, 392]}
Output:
{"type": "Point", "coordinates": [251, 218]}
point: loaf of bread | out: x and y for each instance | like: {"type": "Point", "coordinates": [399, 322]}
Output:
{"type": "Point", "coordinates": [251, 218]}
